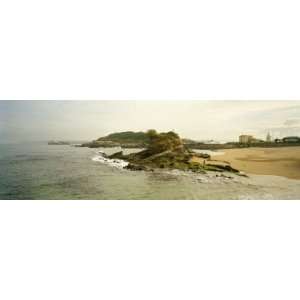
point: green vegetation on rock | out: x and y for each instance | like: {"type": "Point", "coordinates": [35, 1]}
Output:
{"type": "Point", "coordinates": [159, 142]}
{"type": "Point", "coordinates": [127, 137]}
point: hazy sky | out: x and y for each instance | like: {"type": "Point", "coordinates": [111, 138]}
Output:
{"type": "Point", "coordinates": [200, 120]}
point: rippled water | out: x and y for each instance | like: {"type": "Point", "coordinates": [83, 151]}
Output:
{"type": "Point", "coordinates": [39, 171]}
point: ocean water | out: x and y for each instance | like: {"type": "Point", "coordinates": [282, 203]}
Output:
{"type": "Point", "coordinates": [40, 171]}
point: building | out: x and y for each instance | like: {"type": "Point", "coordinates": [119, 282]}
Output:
{"type": "Point", "coordinates": [291, 139]}
{"type": "Point", "coordinates": [246, 139]}
{"type": "Point", "coordinates": [268, 138]}
{"type": "Point", "coordinates": [278, 140]}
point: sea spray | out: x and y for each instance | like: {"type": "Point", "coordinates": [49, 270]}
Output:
{"type": "Point", "coordinates": [117, 163]}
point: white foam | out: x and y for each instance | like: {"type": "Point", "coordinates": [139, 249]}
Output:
{"type": "Point", "coordinates": [209, 152]}
{"type": "Point", "coordinates": [117, 163]}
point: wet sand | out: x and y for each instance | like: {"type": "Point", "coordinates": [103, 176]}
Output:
{"type": "Point", "coordinates": [283, 161]}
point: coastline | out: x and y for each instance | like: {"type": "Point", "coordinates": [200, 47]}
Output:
{"type": "Point", "coordinates": [281, 161]}
{"type": "Point", "coordinates": [85, 175]}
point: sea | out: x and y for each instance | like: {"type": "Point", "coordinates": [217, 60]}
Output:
{"type": "Point", "coordinates": [42, 171]}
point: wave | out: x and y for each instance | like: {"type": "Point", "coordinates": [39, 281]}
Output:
{"type": "Point", "coordinates": [117, 163]}
{"type": "Point", "coordinates": [210, 152]}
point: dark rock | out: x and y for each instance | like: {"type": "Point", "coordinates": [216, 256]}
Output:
{"type": "Point", "coordinates": [202, 155]}
{"type": "Point", "coordinates": [134, 167]}
{"type": "Point", "coordinates": [118, 155]}
{"type": "Point", "coordinates": [220, 167]}
{"type": "Point", "coordinates": [231, 169]}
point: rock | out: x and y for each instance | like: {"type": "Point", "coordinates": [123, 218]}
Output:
{"type": "Point", "coordinates": [231, 169]}
{"type": "Point", "coordinates": [241, 173]}
{"type": "Point", "coordinates": [103, 154]}
{"type": "Point", "coordinates": [166, 151]}
{"type": "Point", "coordinates": [118, 155]}
{"type": "Point", "coordinates": [134, 167]}
{"type": "Point", "coordinates": [202, 155]}
{"type": "Point", "coordinates": [220, 167]}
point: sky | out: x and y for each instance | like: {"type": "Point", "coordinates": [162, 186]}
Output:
{"type": "Point", "coordinates": [22, 121]}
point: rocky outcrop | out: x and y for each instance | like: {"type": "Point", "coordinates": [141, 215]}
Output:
{"type": "Point", "coordinates": [169, 159]}
{"type": "Point", "coordinates": [167, 151]}
{"type": "Point", "coordinates": [179, 159]}
{"type": "Point", "coordinates": [117, 155]}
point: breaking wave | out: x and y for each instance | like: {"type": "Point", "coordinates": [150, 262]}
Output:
{"type": "Point", "coordinates": [116, 163]}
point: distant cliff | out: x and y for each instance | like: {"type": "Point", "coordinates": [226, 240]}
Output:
{"type": "Point", "coordinates": [58, 143]}
{"type": "Point", "coordinates": [127, 139]}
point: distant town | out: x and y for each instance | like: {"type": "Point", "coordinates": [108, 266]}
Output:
{"type": "Point", "coordinates": [250, 139]}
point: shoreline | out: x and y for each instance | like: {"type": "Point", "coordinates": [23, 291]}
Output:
{"type": "Point", "coordinates": [280, 161]}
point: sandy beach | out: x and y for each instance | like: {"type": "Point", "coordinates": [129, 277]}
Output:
{"type": "Point", "coordinates": [283, 161]}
